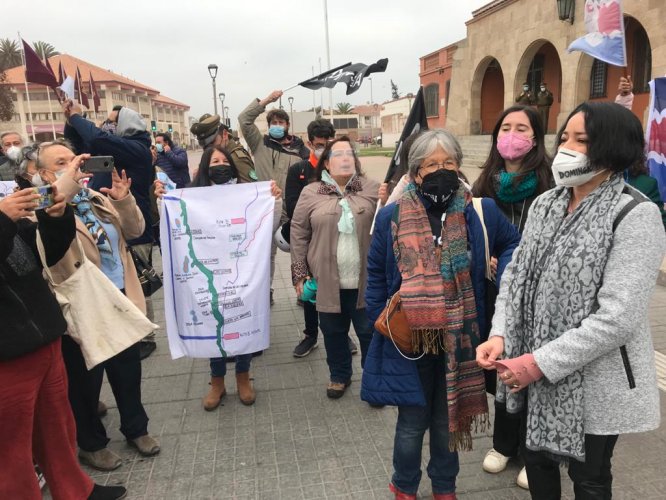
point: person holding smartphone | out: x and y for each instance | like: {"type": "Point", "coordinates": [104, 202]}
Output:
{"type": "Point", "coordinates": [35, 419]}
{"type": "Point", "coordinates": [104, 222]}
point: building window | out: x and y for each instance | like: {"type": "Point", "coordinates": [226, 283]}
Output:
{"type": "Point", "coordinates": [131, 98]}
{"type": "Point", "coordinates": [598, 79]}
{"type": "Point", "coordinates": [101, 93]}
{"type": "Point", "coordinates": [345, 123]}
{"type": "Point", "coordinates": [117, 96]}
{"type": "Point", "coordinates": [17, 117]}
{"type": "Point", "coordinates": [431, 98]}
{"type": "Point", "coordinates": [642, 71]}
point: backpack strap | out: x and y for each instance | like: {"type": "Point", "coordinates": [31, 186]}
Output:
{"type": "Point", "coordinates": [637, 198]}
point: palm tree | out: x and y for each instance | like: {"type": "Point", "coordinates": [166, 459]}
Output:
{"type": "Point", "coordinates": [10, 54]}
{"type": "Point", "coordinates": [45, 49]}
{"type": "Point", "coordinates": [343, 108]}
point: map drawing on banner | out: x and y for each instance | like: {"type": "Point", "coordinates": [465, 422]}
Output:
{"type": "Point", "coordinates": [6, 188]}
{"type": "Point", "coordinates": [216, 246]}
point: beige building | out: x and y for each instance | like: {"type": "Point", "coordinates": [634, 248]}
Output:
{"type": "Point", "coordinates": [393, 116]}
{"type": "Point", "coordinates": [514, 41]}
{"type": "Point", "coordinates": [42, 119]}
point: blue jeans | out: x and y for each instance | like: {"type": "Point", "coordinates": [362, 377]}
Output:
{"type": "Point", "coordinates": [218, 366]}
{"type": "Point", "coordinates": [412, 423]}
{"type": "Point", "coordinates": [335, 327]}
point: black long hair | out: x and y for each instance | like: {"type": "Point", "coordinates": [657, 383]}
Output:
{"type": "Point", "coordinates": [614, 137]}
{"type": "Point", "coordinates": [536, 159]}
{"type": "Point", "coordinates": [202, 178]}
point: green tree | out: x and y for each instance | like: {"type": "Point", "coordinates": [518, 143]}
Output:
{"type": "Point", "coordinates": [6, 102]}
{"type": "Point", "coordinates": [343, 108]}
{"type": "Point", "coordinates": [10, 54]}
{"type": "Point", "coordinates": [394, 91]}
{"type": "Point", "coordinates": [45, 49]}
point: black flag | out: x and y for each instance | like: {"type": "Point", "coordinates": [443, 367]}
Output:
{"type": "Point", "coordinates": [416, 121]}
{"type": "Point", "coordinates": [350, 74]}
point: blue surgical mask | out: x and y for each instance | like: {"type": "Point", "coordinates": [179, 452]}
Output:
{"type": "Point", "coordinates": [276, 131]}
{"type": "Point", "coordinates": [159, 147]}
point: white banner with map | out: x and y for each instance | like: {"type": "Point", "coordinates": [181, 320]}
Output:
{"type": "Point", "coordinates": [216, 246]}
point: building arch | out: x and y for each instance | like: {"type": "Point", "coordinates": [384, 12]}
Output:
{"type": "Point", "coordinates": [487, 95]}
{"type": "Point", "coordinates": [539, 63]}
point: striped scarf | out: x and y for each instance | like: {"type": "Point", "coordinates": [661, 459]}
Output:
{"type": "Point", "coordinates": [438, 299]}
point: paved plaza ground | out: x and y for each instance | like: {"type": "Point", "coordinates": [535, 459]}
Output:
{"type": "Point", "coordinates": [295, 443]}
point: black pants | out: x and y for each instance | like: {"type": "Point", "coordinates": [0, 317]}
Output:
{"type": "Point", "coordinates": [311, 319]}
{"type": "Point", "coordinates": [124, 374]}
{"type": "Point", "coordinates": [508, 433]}
{"type": "Point", "coordinates": [592, 479]}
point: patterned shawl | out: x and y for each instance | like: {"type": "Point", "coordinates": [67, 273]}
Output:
{"type": "Point", "coordinates": [438, 299]}
{"type": "Point", "coordinates": [556, 273]}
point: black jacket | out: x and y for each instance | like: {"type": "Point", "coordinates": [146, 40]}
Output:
{"type": "Point", "coordinates": [299, 175]}
{"type": "Point", "coordinates": [31, 316]}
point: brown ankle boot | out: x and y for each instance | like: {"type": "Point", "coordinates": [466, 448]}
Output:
{"type": "Point", "coordinates": [215, 394]}
{"type": "Point", "coordinates": [245, 390]}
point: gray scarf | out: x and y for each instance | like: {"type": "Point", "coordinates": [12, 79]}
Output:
{"type": "Point", "coordinates": [556, 273]}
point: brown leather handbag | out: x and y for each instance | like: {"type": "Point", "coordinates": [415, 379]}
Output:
{"type": "Point", "coordinates": [392, 323]}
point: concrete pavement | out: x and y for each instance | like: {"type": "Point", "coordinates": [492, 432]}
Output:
{"type": "Point", "coordinates": [295, 443]}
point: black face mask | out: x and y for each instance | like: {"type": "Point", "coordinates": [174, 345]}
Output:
{"type": "Point", "coordinates": [439, 187]}
{"type": "Point", "coordinates": [221, 175]}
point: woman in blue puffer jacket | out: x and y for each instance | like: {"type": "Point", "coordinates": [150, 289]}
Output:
{"type": "Point", "coordinates": [430, 246]}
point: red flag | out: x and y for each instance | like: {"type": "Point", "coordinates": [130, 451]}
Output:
{"type": "Point", "coordinates": [47, 65]}
{"type": "Point", "coordinates": [61, 73]}
{"type": "Point", "coordinates": [35, 71]}
{"type": "Point", "coordinates": [78, 87]}
{"type": "Point", "coordinates": [94, 94]}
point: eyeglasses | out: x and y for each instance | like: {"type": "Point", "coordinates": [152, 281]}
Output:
{"type": "Point", "coordinates": [431, 167]}
{"type": "Point", "coordinates": [342, 152]}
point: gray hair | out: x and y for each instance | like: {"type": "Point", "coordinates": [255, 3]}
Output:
{"type": "Point", "coordinates": [11, 132]}
{"type": "Point", "coordinates": [40, 147]}
{"type": "Point", "coordinates": [426, 144]}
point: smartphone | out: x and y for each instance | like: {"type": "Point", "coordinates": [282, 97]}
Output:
{"type": "Point", "coordinates": [45, 197]}
{"type": "Point", "coordinates": [98, 164]}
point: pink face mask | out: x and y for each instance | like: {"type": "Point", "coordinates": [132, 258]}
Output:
{"type": "Point", "coordinates": [513, 146]}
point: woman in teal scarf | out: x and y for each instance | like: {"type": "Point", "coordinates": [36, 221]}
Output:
{"type": "Point", "coordinates": [516, 172]}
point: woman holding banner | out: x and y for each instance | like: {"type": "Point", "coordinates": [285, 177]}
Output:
{"type": "Point", "coordinates": [330, 236]}
{"type": "Point", "coordinates": [217, 168]}
{"type": "Point", "coordinates": [516, 172]}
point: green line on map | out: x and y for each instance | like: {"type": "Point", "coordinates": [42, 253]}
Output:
{"type": "Point", "coordinates": [214, 297]}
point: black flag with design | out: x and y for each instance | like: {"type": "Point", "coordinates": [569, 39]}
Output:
{"type": "Point", "coordinates": [350, 74]}
{"type": "Point", "coordinates": [416, 121]}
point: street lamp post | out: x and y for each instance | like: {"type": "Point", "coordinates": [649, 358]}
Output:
{"type": "Point", "coordinates": [221, 96]}
{"type": "Point", "coordinates": [291, 112]}
{"type": "Point", "coordinates": [212, 70]}
{"type": "Point", "coordinates": [227, 121]}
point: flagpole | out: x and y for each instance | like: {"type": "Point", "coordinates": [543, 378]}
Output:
{"type": "Point", "coordinates": [27, 94]}
{"type": "Point", "coordinates": [48, 96]}
{"type": "Point", "coordinates": [328, 58]}
{"type": "Point", "coordinates": [314, 99]}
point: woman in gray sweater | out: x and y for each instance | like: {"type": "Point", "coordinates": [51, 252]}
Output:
{"type": "Point", "coordinates": [571, 318]}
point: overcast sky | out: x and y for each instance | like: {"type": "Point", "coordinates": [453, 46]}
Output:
{"type": "Point", "coordinates": [259, 45]}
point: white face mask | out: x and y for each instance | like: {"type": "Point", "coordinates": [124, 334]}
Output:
{"type": "Point", "coordinates": [36, 180]}
{"type": "Point", "coordinates": [13, 153]}
{"type": "Point", "coordinates": [318, 152]}
{"type": "Point", "coordinates": [571, 168]}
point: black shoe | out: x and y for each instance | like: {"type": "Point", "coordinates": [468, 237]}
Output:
{"type": "Point", "coordinates": [305, 346]}
{"type": "Point", "coordinates": [100, 492]}
{"type": "Point", "coordinates": [352, 346]}
{"type": "Point", "coordinates": [272, 301]}
{"type": "Point", "coordinates": [146, 348]}
{"type": "Point", "coordinates": [376, 405]}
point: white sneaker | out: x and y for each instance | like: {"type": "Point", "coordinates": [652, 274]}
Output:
{"type": "Point", "coordinates": [494, 462]}
{"type": "Point", "coordinates": [522, 479]}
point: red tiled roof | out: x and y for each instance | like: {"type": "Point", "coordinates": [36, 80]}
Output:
{"type": "Point", "coordinates": [167, 100]}
{"type": "Point", "coordinates": [16, 76]}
